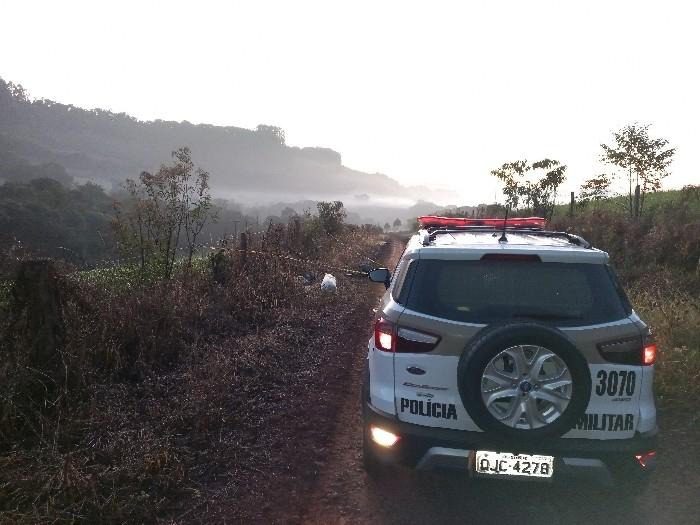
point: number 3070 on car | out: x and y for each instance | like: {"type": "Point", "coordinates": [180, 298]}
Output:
{"type": "Point", "coordinates": [508, 464]}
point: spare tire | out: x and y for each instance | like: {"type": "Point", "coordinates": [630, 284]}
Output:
{"type": "Point", "coordinates": [523, 381]}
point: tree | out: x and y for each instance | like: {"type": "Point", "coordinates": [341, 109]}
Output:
{"type": "Point", "coordinates": [397, 223]}
{"type": "Point", "coordinates": [332, 216]}
{"type": "Point", "coordinates": [165, 209]}
{"type": "Point", "coordinates": [276, 133]}
{"type": "Point", "coordinates": [645, 160]}
{"type": "Point", "coordinates": [595, 188]}
{"type": "Point", "coordinates": [52, 220]}
{"type": "Point", "coordinates": [537, 193]}
{"type": "Point", "coordinates": [287, 213]}
{"type": "Point", "coordinates": [489, 210]}
{"type": "Point", "coordinates": [387, 226]}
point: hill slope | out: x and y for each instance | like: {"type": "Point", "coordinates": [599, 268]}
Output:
{"type": "Point", "coordinates": [105, 147]}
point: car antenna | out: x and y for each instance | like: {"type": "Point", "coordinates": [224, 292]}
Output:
{"type": "Point", "coordinates": [505, 221]}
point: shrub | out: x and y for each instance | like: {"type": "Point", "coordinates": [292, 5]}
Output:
{"type": "Point", "coordinates": [331, 216]}
{"type": "Point", "coordinates": [673, 313]}
{"type": "Point", "coordinates": [658, 258]}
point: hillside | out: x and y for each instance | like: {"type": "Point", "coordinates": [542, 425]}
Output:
{"type": "Point", "coordinates": [104, 147]}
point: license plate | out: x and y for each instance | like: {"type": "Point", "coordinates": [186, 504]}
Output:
{"type": "Point", "coordinates": [505, 464]}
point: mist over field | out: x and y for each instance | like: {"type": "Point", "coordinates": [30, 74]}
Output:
{"type": "Point", "coordinates": [252, 167]}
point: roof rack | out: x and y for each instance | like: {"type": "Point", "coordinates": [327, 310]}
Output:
{"type": "Point", "coordinates": [432, 232]}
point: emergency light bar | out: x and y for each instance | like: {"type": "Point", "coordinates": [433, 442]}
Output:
{"type": "Point", "coordinates": [433, 221]}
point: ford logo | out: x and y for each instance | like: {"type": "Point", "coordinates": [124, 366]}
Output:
{"type": "Point", "coordinates": [416, 371]}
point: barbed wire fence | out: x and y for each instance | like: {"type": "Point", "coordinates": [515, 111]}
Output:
{"type": "Point", "coordinates": [280, 242]}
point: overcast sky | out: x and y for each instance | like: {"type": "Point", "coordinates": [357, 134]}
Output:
{"type": "Point", "coordinates": [432, 92]}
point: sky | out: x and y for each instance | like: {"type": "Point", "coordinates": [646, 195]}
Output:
{"type": "Point", "coordinates": [436, 93]}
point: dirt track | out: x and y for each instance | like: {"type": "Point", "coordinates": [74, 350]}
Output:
{"type": "Point", "coordinates": [345, 494]}
{"type": "Point", "coordinates": [323, 481]}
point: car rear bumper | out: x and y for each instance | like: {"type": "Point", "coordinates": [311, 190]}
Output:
{"type": "Point", "coordinates": [428, 448]}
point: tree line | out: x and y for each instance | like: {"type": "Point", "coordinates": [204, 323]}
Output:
{"type": "Point", "coordinates": [153, 222]}
{"type": "Point", "coordinates": [637, 158]}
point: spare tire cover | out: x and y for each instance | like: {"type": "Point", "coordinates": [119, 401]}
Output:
{"type": "Point", "coordinates": [523, 381]}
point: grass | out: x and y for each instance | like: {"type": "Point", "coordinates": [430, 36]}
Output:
{"type": "Point", "coordinates": [5, 291]}
{"type": "Point", "coordinates": [116, 278]}
{"type": "Point", "coordinates": [160, 387]}
{"type": "Point", "coordinates": [129, 276]}
{"type": "Point", "coordinates": [658, 259]}
{"type": "Point", "coordinates": [674, 316]}
{"type": "Point", "coordinates": [653, 203]}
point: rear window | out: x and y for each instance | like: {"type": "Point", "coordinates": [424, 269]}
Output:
{"type": "Point", "coordinates": [566, 294]}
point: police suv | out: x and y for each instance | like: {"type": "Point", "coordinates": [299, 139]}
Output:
{"type": "Point", "coordinates": [508, 351]}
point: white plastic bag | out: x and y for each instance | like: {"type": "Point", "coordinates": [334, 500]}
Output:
{"type": "Point", "coordinates": [328, 284]}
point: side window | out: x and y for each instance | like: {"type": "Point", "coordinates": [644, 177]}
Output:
{"type": "Point", "coordinates": [397, 278]}
{"type": "Point", "coordinates": [397, 274]}
{"type": "Point", "coordinates": [403, 281]}
{"type": "Point", "coordinates": [396, 269]}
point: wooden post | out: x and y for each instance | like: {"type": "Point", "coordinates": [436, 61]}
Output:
{"type": "Point", "coordinates": [235, 230]}
{"type": "Point", "coordinates": [297, 233]}
{"type": "Point", "coordinates": [36, 297]}
{"type": "Point", "coordinates": [571, 205]}
{"type": "Point", "coordinates": [219, 265]}
{"type": "Point", "coordinates": [243, 248]}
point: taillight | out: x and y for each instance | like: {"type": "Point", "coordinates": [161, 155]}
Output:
{"type": "Point", "coordinates": [649, 351]}
{"type": "Point", "coordinates": [384, 335]}
{"type": "Point", "coordinates": [389, 338]}
{"type": "Point", "coordinates": [630, 351]}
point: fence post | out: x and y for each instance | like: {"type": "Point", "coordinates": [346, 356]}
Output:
{"type": "Point", "coordinates": [297, 233]}
{"type": "Point", "coordinates": [571, 205]}
{"type": "Point", "coordinates": [244, 248]}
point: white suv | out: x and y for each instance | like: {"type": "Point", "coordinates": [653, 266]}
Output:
{"type": "Point", "coordinates": [511, 352]}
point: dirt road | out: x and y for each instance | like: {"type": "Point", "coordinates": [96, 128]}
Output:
{"type": "Point", "coordinates": [345, 494]}
{"type": "Point", "coordinates": [317, 477]}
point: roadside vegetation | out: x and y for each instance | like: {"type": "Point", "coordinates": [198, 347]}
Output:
{"type": "Point", "coordinates": [657, 256]}
{"type": "Point", "coordinates": [128, 392]}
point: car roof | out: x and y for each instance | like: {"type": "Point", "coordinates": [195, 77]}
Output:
{"type": "Point", "coordinates": [473, 244]}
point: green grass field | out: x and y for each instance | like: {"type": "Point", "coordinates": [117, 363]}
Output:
{"type": "Point", "coordinates": [653, 204]}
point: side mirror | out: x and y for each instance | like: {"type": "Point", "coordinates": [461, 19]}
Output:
{"type": "Point", "coordinates": [380, 275]}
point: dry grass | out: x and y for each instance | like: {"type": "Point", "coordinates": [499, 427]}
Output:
{"type": "Point", "coordinates": [157, 395]}
{"type": "Point", "coordinates": [674, 315]}
{"type": "Point", "coordinates": [658, 259]}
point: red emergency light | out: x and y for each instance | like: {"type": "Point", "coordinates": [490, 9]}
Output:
{"type": "Point", "coordinates": [433, 221]}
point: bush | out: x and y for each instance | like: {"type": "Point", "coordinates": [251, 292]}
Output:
{"type": "Point", "coordinates": [331, 216]}
{"type": "Point", "coordinates": [674, 315]}
{"type": "Point", "coordinates": [658, 259]}
{"type": "Point", "coordinates": [121, 326]}
{"type": "Point", "coordinates": [667, 235]}
{"type": "Point", "coordinates": [127, 421]}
